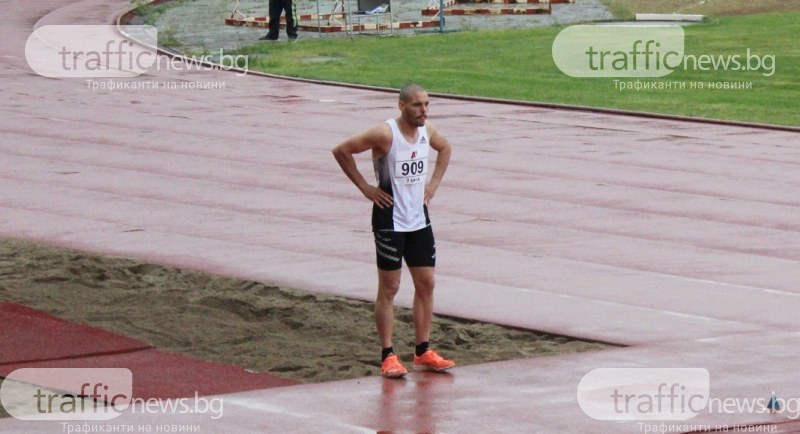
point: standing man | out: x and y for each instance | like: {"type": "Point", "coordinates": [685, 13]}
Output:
{"type": "Point", "coordinates": [400, 222]}
{"type": "Point", "coordinates": [275, 9]}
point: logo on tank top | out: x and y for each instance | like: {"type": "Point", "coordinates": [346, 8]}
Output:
{"type": "Point", "coordinates": [422, 141]}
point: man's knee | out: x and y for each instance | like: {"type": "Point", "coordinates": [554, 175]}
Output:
{"type": "Point", "coordinates": [424, 281]}
{"type": "Point", "coordinates": [388, 291]}
{"type": "Point", "coordinates": [424, 291]}
{"type": "Point", "coordinates": [388, 283]}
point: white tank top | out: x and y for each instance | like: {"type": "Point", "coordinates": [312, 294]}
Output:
{"type": "Point", "coordinates": [403, 173]}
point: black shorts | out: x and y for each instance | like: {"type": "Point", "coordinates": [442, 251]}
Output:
{"type": "Point", "coordinates": [418, 248]}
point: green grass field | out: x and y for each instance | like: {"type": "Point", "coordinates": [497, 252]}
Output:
{"type": "Point", "coordinates": [518, 64]}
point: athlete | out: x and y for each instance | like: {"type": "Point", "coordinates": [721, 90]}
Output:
{"type": "Point", "coordinates": [400, 222]}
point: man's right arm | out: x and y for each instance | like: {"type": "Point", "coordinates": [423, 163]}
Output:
{"type": "Point", "coordinates": [374, 139]}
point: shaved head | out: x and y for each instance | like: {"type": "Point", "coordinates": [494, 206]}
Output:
{"type": "Point", "coordinates": [407, 91]}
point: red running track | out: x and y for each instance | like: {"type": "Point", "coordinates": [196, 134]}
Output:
{"type": "Point", "coordinates": [680, 239]}
{"type": "Point", "coordinates": [33, 339]}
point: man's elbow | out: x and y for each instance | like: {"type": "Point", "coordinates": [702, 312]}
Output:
{"type": "Point", "coordinates": [340, 154]}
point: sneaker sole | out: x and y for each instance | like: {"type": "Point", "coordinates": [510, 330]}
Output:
{"type": "Point", "coordinates": [400, 375]}
{"type": "Point", "coordinates": [431, 368]}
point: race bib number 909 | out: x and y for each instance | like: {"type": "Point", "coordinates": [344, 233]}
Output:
{"type": "Point", "coordinates": [411, 171]}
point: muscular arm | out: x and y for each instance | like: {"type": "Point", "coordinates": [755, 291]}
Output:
{"type": "Point", "coordinates": [443, 152]}
{"type": "Point", "coordinates": [378, 140]}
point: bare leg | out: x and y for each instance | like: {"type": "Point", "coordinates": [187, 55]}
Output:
{"type": "Point", "coordinates": [388, 285]}
{"type": "Point", "coordinates": [424, 281]}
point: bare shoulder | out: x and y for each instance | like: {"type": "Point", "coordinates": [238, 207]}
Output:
{"type": "Point", "coordinates": [431, 128]}
{"type": "Point", "coordinates": [437, 140]}
{"type": "Point", "coordinates": [380, 136]}
{"type": "Point", "coordinates": [381, 132]}
{"type": "Point", "coordinates": [378, 139]}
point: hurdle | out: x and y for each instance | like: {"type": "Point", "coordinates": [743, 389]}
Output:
{"type": "Point", "coordinates": [341, 20]}
{"type": "Point", "coordinates": [455, 7]}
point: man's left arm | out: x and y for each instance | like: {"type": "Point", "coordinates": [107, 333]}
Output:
{"type": "Point", "coordinates": [443, 152]}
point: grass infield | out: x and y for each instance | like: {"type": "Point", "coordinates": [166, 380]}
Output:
{"type": "Point", "coordinates": [518, 64]}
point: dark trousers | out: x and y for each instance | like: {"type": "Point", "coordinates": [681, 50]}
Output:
{"type": "Point", "coordinates": [275, 9]}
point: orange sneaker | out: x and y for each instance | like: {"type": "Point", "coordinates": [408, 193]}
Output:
{"type": "Point", "coordinates": [392, 368]}
{"type": "Point", "coordinates": [433, 362]}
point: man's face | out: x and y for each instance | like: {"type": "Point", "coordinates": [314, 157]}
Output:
{"type": "Point", "coordinates": [415, 110]}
